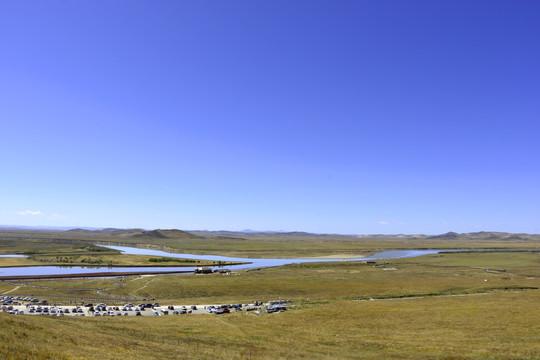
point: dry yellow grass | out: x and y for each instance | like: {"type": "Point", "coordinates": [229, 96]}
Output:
{"type": "Point", "coordinates": [502, 325]}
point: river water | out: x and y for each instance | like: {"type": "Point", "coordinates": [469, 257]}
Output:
{"type": "Point", "coordinates": [252, 263]}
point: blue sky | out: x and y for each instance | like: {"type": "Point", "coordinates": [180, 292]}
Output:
{"type": "Point", "coordinates": [351, 117]}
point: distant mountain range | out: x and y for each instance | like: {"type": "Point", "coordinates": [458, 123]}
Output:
{"type": "Point", "coordinates": [481, 235]}
{"type": "Point", "coordinates": [58, 228]}
{"type": "Point", "coordinates": [486, 235]}
{"type": "Point", "coordinates": [193, 234]}
{"type": "Point", "coordinates": [137, 233]}
{"type": "Point", "coordinates": [175, 233]}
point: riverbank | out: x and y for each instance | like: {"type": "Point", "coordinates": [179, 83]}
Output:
{"type": "Point", "coordinates": [90, 275]}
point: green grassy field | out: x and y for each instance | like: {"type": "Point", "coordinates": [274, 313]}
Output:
{"type": "Point", "coordinates": [492, 326]}
{"type": "Point", "coordinates": [481, 305]}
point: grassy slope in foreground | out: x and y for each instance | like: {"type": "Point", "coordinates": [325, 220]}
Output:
{"type": "Point", "coordinates": [494, 326]}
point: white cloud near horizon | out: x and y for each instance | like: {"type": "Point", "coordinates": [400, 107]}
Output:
{"type": "Point", "coordinates": [30, 212]}
{"type": "Point", "coordinates": [56, 216]}
{"type": "Point", "coordinates": [39, 213]}
{"type": "Point", "coordinates": [383, 222]}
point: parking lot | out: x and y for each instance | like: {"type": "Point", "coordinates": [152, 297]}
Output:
{"type": "Point", "coordinates": [32, 306]}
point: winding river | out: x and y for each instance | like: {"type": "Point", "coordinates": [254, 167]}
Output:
{"type": "Point", "coordinates": [251, 263]}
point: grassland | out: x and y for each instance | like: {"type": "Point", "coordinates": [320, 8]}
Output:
{"type": "Point", "coordinates": [493, 326]}
{"type": "Point", "coordinates": [481, 305]}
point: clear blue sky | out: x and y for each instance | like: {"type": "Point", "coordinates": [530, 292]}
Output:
{"type": "Point", "coordinates": [351, 117]}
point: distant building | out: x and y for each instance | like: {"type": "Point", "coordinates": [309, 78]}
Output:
{"type": "Point", "coordinates": [203, 270]}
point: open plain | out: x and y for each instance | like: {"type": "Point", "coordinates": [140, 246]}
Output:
{"type": "Point", "coordinates": [463, 305]}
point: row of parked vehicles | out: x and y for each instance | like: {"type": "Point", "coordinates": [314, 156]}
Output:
{"type": "Point", "coordinates": [16, 300]}
{"type": "Point", "coordinates": [12, 306]}
{"type": "Point", "coordinates": [50, 310]}
{"type": "Point", "coordinates": [224, 309]}
{"type": "Point", "coordinates": [257, 307]}
{"type": "Point", "coordinates": [97, 310]}
{"type": "Point", "coordinates": [130, 309]}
